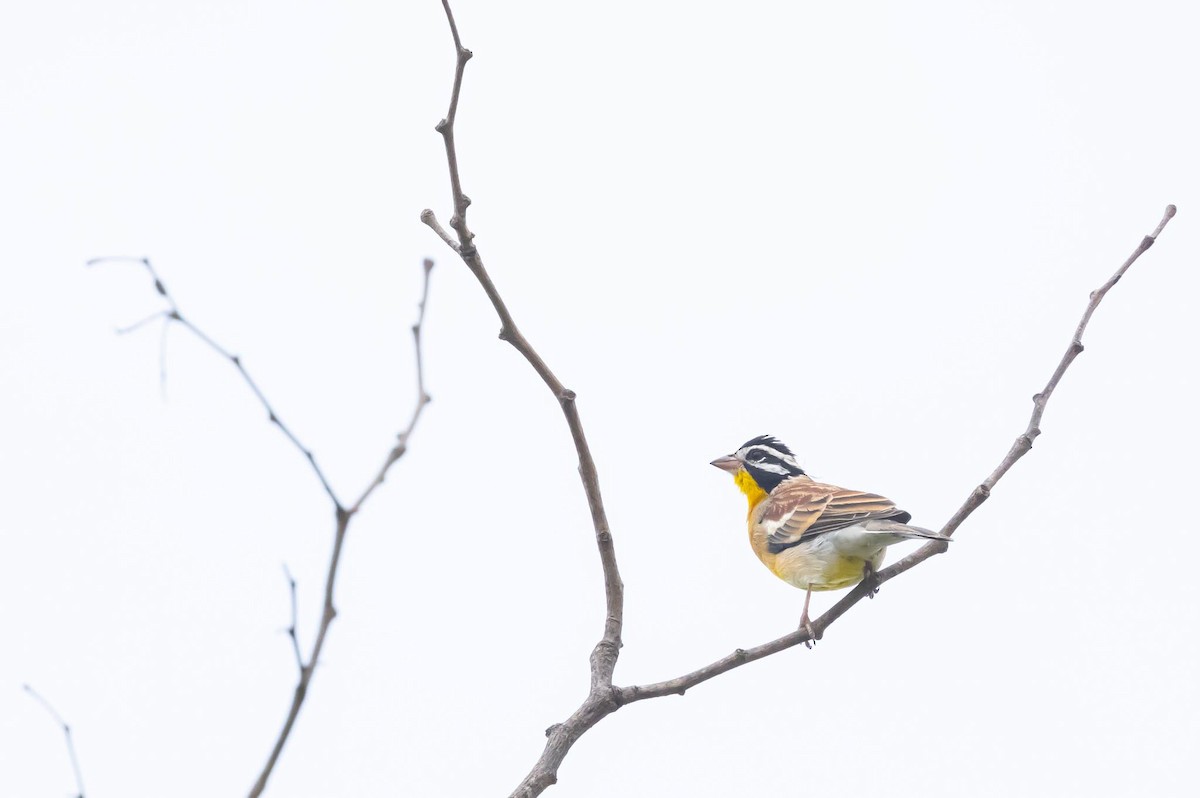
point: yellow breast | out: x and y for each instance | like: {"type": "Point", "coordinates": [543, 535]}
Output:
{"type": "Point", "coordinates": [823, 569]}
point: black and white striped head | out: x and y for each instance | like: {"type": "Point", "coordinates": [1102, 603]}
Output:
{"type": "Point", "coordinates": [766, 460]}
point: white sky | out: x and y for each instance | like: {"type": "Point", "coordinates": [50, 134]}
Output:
{"type": "Point", "coordinates": [867, 228]}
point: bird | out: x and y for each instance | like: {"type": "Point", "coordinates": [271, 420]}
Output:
{"type": "Point", "coordinates": [812, 535]}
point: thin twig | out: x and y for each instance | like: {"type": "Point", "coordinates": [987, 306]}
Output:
{"type": "Point", "coordinates": [174, 314]}
{"type": "Point", "coordinates": [291, 630]}
{"type": "Point", "coordinates": [603, 661]}
{"type": "Point", "coordinates": [446, 127]}
{"type": "Point", "coordinates": [342, 515]}
{"type": "Point", "coordinates": [137, 325]}
{"type": "Point", "coordinates": [423, 398]}
{"type": "Point", "coordinates": [428, 218]}
{"type": "Point", "coordinates": [66, 733]}
{"type": "Point", "coordinates": [604, 656]}
{"type": "Point", "coordinates": [978, 496]}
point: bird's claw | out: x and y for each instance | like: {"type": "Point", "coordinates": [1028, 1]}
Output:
{"type": "Point", "coordinates": [871, 580]}
{"type": "Point", "coordinates": [806, 626]}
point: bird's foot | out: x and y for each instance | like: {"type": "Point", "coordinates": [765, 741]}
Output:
{"type": "Point", "coordinates": [870, 579]}
{"type": "Point", "coordinates": [806, 626]}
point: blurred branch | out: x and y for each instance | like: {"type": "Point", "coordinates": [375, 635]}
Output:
{"type": "Point", "coordinates": [423, 398]}
{"type": "Point", "coordinates": [291, 630]}
{"type": "Point", "coordinates": [66, 733]}
{"type": "Point", "coordinates": [604, 698]}
{"type": "Point", "coordinates": [342, 514]}
{"type": "Point", "coordinates": [173, 314]}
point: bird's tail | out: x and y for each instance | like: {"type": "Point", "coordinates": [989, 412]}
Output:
{"type": "Point", "coordinates": [889, 532]}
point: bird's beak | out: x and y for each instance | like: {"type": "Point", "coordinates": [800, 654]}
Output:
{"type": "Point", "coordinates": [727, 463]}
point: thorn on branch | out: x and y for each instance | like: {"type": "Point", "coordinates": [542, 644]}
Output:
{"type": "Point", "coordinates": [441, 126]}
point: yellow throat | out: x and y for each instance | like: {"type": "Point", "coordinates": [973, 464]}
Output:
{"type": "Point", "coordinates": [748, 486]}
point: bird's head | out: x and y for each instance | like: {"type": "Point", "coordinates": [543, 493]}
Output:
{"type": "Point", "coordinates": [759, 466]}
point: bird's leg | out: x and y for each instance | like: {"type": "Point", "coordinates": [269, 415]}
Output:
{"type": "Point", "coordinates": [805, 623]}
{"type": "Point", "coordinates": [871, 577]}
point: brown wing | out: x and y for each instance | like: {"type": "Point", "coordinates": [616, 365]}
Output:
{"type": "Point", "coordinates": [799, 510]}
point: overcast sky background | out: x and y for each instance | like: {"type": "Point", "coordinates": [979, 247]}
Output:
{"type": "Point", "coordinates": [868, 229]}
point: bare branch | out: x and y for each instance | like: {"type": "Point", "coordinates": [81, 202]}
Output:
{"type": "Point", "coordinates": [328, 613]}
{"type": "Point", "coordinates": [343, 518]}
{"type": "Point", "coordinates": [428, 217]}
{"type": "Point", "coordinates": [423, 398]}
{"type": "Point", "coordinates": [174, 314]}
{"type": "Point", "coordinates": [165, 315]}
{"type": "Point", "coordinates": [342, 515]}
{"type": "Point", "coordinates": [446, 127]}
{"type": "Point", "coordinates": [603, 660]}
{"type": "Point", "coordinates": [604, 655]}
{"type": "Point", "coordinates": [978, 496]}
{"type": "Point", "coordinates": [66, 733]}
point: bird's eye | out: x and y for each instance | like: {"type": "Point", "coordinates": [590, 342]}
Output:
{"type": "Point", "coordinates": [756, 456]}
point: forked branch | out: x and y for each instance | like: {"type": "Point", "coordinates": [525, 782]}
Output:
{"type": "Point", "coordinates": [342, 514]}
{"type": "Point", "coordinates": [173, 314]}
{"type": "Point", "coordinates": [603, 660]}
{"type": "Point", "coordinates": [604, 698]}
